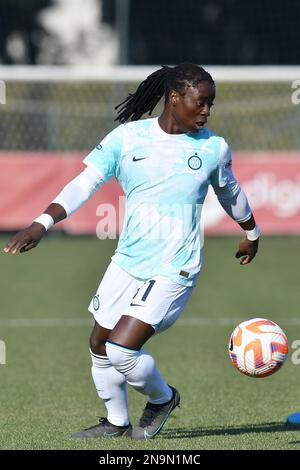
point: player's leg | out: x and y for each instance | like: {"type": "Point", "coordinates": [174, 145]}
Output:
{"type": "Point", "coordinates": [124, 349]}
{"type": "Point", "coordinates": [115, 288]}
{"type": "Point", "coordinates": [110, 384]}
{"type": "Point", "coordinates": [98, 338]}
{"type": "Point", "coordinates": [111, 388]}
{"type": "Point", "coordinates": [139, 367]}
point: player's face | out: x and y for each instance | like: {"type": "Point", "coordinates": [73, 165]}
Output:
{"type": "Point", "coordinates": [191, 110]}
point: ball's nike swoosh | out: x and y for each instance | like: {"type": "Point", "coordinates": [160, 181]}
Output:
{"type": "Point", "coordinates": [137, 159]}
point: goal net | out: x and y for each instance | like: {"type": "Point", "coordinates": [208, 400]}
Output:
{"type": "Point", "coordinates": [66, 108]}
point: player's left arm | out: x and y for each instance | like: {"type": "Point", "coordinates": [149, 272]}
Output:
{"type": "Point", "coordinates": [234, 201]}
{"type": "Point", "coordinates": [248, 248]}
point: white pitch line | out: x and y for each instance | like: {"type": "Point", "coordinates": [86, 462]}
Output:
{"type": "Point", "coordinates": [46, 322]}
{"type": "Point", "coordinates": [190, 321]}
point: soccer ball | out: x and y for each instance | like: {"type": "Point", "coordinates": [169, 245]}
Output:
{"type": "Point", "coordinates": [258, 347]}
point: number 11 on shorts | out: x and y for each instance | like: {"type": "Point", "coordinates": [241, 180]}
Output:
{"type": "Point", "coordinates": [142, 293]}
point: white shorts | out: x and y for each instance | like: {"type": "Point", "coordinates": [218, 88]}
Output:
{"type": "Point", "coordinates": [157, 301]}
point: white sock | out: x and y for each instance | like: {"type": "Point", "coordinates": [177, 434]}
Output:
{"type": "Point", "coordinates": [111, 387]}
{"type": "Point", "coordinates": [140, 371]}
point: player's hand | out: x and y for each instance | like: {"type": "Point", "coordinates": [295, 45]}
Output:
{"type": "Point", "coordinates": [26, 239]}
{"type": "Point", "coordinates": [247, 250]}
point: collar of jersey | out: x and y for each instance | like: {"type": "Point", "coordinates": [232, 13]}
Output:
{"type": "Point", "coordinates": [172, 136]}
{"type": "Point", "coordinates": [166, 134]}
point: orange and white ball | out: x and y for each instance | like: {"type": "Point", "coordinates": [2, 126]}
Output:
{"type": "Point", "coordinates": [258, 347]}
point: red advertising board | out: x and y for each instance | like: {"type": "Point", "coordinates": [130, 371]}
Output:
{"type": "Point", "coordinates": [29, 182]}
{"type": "Point", "coordinates": [271, 181]}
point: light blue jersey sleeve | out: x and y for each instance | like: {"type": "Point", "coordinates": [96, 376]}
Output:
{"type": "Point", "coordinates": [223, 174]}
{"type": "Point", "coordinates": [105, 156]}
{"type": "Point", "coordinates": [227, 189]}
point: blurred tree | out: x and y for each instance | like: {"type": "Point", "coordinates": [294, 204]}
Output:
{"type": "Point", "coordinates": [220, 32]}
{"type": "Point", "coordinates": [20, 30]}
{"type": "Point", "coordinates": [75, 34]}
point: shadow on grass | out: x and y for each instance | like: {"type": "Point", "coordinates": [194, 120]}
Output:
{"type": "Point", "coordinates": [227, 431]}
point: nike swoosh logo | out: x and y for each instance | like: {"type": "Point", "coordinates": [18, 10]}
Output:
{"type": "Point", "coordinates": [135, 305]}
{"type": "Point", "coordinates": [138, 159]}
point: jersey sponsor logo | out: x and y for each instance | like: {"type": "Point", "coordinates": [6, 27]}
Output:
{"type": "Point", "coordinates": [99, 147]}
{"type": "Point", "coordinates": [96, 302]}
{"type": "Point", "coordinates": [138, 159]}
{"type": "Point", "coordinates": [195, 162]}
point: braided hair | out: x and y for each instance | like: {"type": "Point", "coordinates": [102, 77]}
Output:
{"type": "Point", "coordinates": [160, 83]}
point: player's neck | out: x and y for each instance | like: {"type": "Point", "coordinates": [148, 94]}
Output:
{"type": "Point", "coordinates": [168, 125]}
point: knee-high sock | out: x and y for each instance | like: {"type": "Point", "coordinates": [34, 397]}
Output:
{"type": "Point", "coordinates": [140, 371]}
{"type": "Point", "coordinates": [111, 387]}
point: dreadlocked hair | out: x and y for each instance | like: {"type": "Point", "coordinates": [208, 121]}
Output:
{"type": "Point", "coordinates": [160, 83]}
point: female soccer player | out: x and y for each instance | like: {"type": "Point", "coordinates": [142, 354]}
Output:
{"type": "Point", "coordinates": [164, 166]}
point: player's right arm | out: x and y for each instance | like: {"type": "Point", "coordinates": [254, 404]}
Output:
{"type": "Point", "coordinates": [101, 167]}
{"type": "Point", "coordinates": [29, 237]}
{"type": "Point", "coordinates": [69, 200]}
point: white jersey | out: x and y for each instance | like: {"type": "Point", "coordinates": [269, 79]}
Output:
{"type": "Point", "coordinates": [165, 178]}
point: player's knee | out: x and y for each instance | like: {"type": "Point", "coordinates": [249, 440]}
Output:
{"type": "Point", "coordinates": [97, 345]}
{"type": "Point", "coordinates": [123, 359]}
